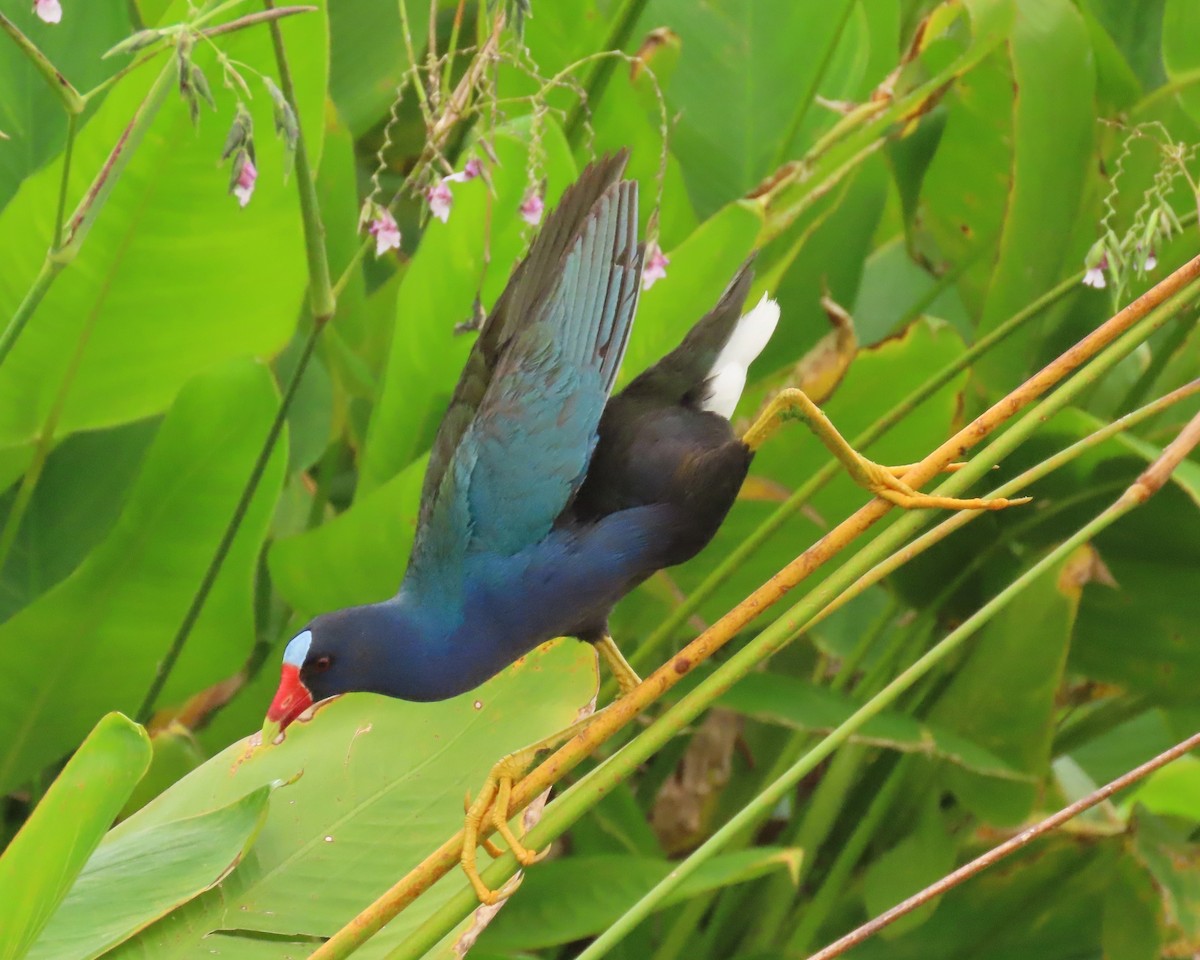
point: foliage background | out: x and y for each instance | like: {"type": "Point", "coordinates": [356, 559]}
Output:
{"type": "Point", "coordinates": [134, 404]}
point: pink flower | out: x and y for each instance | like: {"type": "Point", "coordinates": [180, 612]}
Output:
{"type": "Point", "coordinates": [1150, 262]}
{"type": "Point", "coordinates": [531, 208]}
{"type": "Point", "coordinates": [243, 189]}
{"type": "Point", "coordinates": [440, 198]}
{"type": "Point", "coordinates": [468, 172]}
{"type": "Point", "coordinates": [387, 235]}
{"type": "Point", "coordinates": [655, 267]}
{"type": "Point", "coordinates": [49, 10]}
{"type": "Point", "coordinates": [1095, 275]}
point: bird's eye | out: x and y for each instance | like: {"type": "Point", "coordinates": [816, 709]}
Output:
{"type": "Point", "coordinates": [321, 664]}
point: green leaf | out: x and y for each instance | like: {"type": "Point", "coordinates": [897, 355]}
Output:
{"type": "Point", "coordinates": [1053, 123]}
{"type": "Point", "coordinates": [382, 785]}
{"type": "Point", "coordinates": [136, 877]}
{"type": "Point", "coordinates": [1173, 791]}
{"type": "Point", "coordinates": [368, 57]}
{"type": "Point", "coordinates": [1004, 696]}
{"type": "Point", "coordinates": [922, 857]}
{"type": "Point", "coordinates": [66, 519]}
{"type": "Point", "coordinates": [1173, 859]}
{"type": "Point", "coordinates": [357, 557]}
{"type": "Point", "coordinates": [803, 706]}
{"type": "Point", "coordinates": [40, 865]}
{"type": "Point", "coordinates": [170, 281]}
{"type": "Point", "coordinates": [1133, 927]}
{"type": "Point", "coordinates": [759, 70]}
{"type": "Point", "coordinates": [570, 899]}
{"type": "Point", "coordinates": [1180, 21]}
{"type": "Point", "coordinates": [30, 112]}
{"type": "Point", "coordinates": [92, 642]}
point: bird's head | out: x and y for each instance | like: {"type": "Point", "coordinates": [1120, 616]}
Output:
{"type": "Point", "coordinates": [322, 660]}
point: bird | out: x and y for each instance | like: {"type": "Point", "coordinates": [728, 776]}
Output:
{"type": "Point", "coordinates": [546, 498]}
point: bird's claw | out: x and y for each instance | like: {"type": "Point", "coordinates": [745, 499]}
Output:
{"type": "Point", "coordinates": [886, 484]}
{"type": "Point", "coordinates": [491, 807]}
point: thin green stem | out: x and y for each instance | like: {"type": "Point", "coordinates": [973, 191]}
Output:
{"type": "Point", "coordinates": [41, 284]}
{"type": "Point", "coordinates": [762, 804]}
{"type": "Point", "coordinates": [805, 98]}
{"type": "Point", "coordinates": [320, 290]}
{"type": "Point", "coordinates": [75, 232]}
{"type": "Point", "coordinates": [61, 211]}
{"type": "Point", "coordinates": [323, 305]}
{"type": "Point", "coordinates": [581, 796]}
{"type": "Point", "coordinates": [817, 909]}
{"type": "Point", "coordinates": [167, 664]}
{"type": "Point", "coordinates": [648, 650]}
{"type": "Point", "coordinates": [71, 100]}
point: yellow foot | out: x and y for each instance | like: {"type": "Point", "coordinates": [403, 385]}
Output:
{"type": "Point", "coordinates": [491, 807]}
{"type": "Point", "coordinates": [886, 484]}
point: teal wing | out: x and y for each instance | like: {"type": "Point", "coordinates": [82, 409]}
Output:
{"type": "Point", "coordinates": [516, 442]}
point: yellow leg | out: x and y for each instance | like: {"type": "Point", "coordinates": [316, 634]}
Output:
{"type": "Point", "coordinates": [491, 806]}
{"type": "Point", "coordinates": [884, 482]}
{"type": "Point", "coordinates": [618, 666]}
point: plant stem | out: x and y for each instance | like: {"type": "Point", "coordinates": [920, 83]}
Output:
{"type": "Point", "coordinates": [623, 23]}
{"type": "Point", "coordinates": [71, 100]}
{"type": "Point", "coordinates": [817, 909]}
{"type": "Point", "coordinates": [75, 232]}
{"type": "Point", "coordinates": [573, 803]}
{"type": "Point", "coordinates": [1009, 847]}
{"type": "Point", "coordinates": [744, 550]}
{"type": "Point", "coordinates": [786, 627]}
{"type": "Point", "coordinates": [167, 664]}
{"type": "Point", "coordinates": [323, 305]}
{"type": "Point", "coordinates": [762, 804]}
{"type": "Point", "coordinates": [320, 291]}
{"type": "Point", "coordinates": [60, 212]}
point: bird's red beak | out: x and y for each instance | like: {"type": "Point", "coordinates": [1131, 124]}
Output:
{"type": "Point", "coordinates": [291, 699]}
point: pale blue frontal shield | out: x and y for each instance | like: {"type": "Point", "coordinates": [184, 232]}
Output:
{"type": "Point", "coordinates": [297, 649]}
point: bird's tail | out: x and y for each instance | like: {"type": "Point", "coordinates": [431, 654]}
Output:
{"type": "Point", "coordinates": [708, 369]}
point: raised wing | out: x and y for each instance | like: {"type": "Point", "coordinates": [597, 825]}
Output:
{"type": "Point", "coordinates": [522, 427]}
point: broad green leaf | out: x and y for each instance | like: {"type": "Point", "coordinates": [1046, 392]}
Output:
{"type": "Point", "coordinates": [1133, 927]}
{"type": "Point", "coordinates": [924, 856]}
{"type": "Point", "coordinates": [577, 897]}
{"type": "Point", "coordinates": [357, 557]}
{"type": "Point", "coordinates": [1045, 902]}
{"type": "Point", "coordinates": [31, 114]}
{"type": "Point", "coordinates": [170, 281]}
{"type": "Point", "coordinates": [1173, 859]}
{"type": "Point", "coordinates": [175, 755]}
{"type": "Point", "coordinates": [803, 706]}
{"type": "Point", "coordinates": [1052, 135]}
{"type": "Point", "coordinates": [1137, 30]}
{"type": "Point", "coordinates": [437, 293]}
{"type": "Point", "coordinates": [43, 861]}
{"type": "Point", "coordinates": [66, 519]}
{"type": "Point", "coordinates": [91, 643]}
{"type": "Point", "coordinates": [1004, 697]}
{"type": "Point", "coordinates": [1180, 21]}
{"type": "Point", "coordinates": [368, 57]}
{"type": "Point", "coordinates": [136, 877]}
{"type": "Point", "coordinates": [1173, 791]}
{"type": "Point", "coordinates": [382, 786]}
{"type": "Point", "coordinates": [757, 67]}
